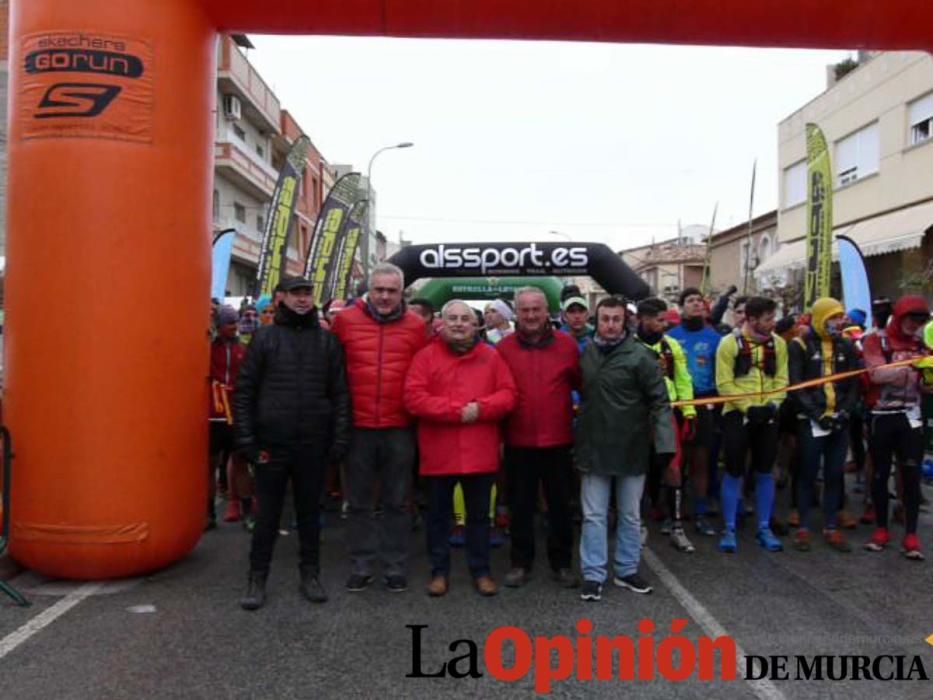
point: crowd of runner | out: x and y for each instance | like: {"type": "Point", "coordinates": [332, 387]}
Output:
{"type": "Point", "coordinates": [612, 417]}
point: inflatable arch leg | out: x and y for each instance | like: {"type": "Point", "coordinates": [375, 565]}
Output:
{"type": "Point", "coordinates": [107, 287]}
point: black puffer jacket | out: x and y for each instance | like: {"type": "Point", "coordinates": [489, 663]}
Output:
{"type": "Point", "coordinates": [292, 388]}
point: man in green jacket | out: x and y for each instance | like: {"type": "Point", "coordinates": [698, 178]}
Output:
{"type": "Point", "coordinates": [624, 400]}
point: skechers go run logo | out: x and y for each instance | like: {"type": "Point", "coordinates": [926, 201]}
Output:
{"type": "Point", "coordinates": [489, 258]}
{"type": "Point", "coordinates": [76, 100]}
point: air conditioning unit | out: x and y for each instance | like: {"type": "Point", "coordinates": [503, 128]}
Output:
{"type": "Point", "coordinates": [233, 109]}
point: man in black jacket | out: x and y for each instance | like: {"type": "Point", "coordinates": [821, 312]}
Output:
{"type": "Point", "coordinates": [823, 414]}
{"type": "Point", "coordinates": [292, 417]}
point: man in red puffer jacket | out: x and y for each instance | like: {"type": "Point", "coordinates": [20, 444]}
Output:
{"type": "Point", "coordinates": [460, 389]}
{"type": "Point", "coordinates": [380, 338]}
{"type": "Point", "coordinates": [539, 436]}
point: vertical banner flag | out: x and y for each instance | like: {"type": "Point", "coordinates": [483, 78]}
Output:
{"type": "Point", "coordinates": [221, 252]}
{"type": "Point", "coordinates": [707, 258]}
{"type": "Point", "coordinates": [272, 254]}
{"type": "Point", "coordinates": [856, 293]}
{"type": "Point", "coordinates": [348, 245]}
{"type": "Point", "coordinates": [328, 232]}
{"type": "Point", "coordinates": [819, 217]}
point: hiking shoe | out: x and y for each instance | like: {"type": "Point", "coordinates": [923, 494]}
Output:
{"type": "Point", "coordinates": [802, 540]}
{"type": "Point", "coordinates": [255, 596]}
{"type": "Point", "coordinates": [680, 542]}
{"type": "Point", "coordinates": [767, 540]}
{"type": "Point", "coordinates": [592, 590]}
{"type": "Point", "coordinates": [311, 588]}
{"type": "Point", "coordinates": [517, 577]}
{"type": "Point", "coordinates": [879, 540]}
{"type": "Point", "coordinates": [566, 578]}
{"type": "Point", "coordinates": [793, 519]}
{"type": "Point", "coordinates": [835, 539]}
{"type": "Point", "coordinates": [438, 586]}
{"type": "Point", "coordinates": [704, 527]}
{"type": "Point", "coordinates": [634, 583]}
{"type": "Point", "coordinates": [457, 536]}
{"type": "Point", "coordinates": [359, 582]}
{"type": "Point", "coordinates": [485, 586]}
{"type": "Point", "coordinates": [910, 548]}
{"type": "Point", "coordinates": [868, 517]}
{"type": "Point", "coordinates": [667, 526]}
{"type": "Point", "coordinates": [727, 542]}
{"type": "Point", "coordinates": [396, 584]}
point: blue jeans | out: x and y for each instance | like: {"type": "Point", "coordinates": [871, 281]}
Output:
{"type": "Point", "coordinates": [830, 451]}
{"type": "Point", "coordinates": [594, 542]}
{"type": "Point", "coordinates": [476, 489]}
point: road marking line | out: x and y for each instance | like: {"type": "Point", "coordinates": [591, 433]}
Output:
{"type": "Point", "coordinates": [46, 617]}
{"type": "Point", "coordinates": [764, 689]}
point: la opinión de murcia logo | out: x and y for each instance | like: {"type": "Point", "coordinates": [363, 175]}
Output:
{"type": "Point", "coordinates": [485, 258]}
{"type": "Point", "coordinates": [509, 654]}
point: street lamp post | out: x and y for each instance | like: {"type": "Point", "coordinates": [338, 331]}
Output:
{"type": "Point", "coordinates": [369, 203]}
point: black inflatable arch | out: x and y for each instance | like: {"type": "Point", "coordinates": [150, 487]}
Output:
{"type": "Point", "coordinates": [522, 260]}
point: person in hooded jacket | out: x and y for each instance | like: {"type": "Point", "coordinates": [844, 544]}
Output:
{"type": "Point", "coordinates": [460, 389]}
{"type": "Point", "coordinates": [823, 414]}
{"type": "Point", "coordinates": [896, 423]}
{"type": "Point", "coordinates": [292, 417]}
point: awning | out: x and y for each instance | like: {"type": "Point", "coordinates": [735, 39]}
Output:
{"type": "Point", "coordinates": [900, 230]}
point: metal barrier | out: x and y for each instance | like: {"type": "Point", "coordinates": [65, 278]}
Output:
{"type": "Point", "coordinates": [5, 495]}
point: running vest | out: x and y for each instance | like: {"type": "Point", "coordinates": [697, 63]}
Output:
{"type": "Point", "coordinates": [743, 358]}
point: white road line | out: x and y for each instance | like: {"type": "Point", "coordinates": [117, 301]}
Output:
{"type": "Point", "coordinates": [764, 689]}
{"type": "Point", "coordinates": [46, 617]}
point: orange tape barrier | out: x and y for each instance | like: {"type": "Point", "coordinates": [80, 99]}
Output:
{"type": "Point", "coordinates": [714, 400]}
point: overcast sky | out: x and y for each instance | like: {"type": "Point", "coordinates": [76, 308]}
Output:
{"type": "Point", "coordinates": [600, 142]}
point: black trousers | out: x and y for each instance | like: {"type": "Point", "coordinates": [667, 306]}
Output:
{"type": "Point", "coordinates": [892, 435]}
{"type": "Point", "coordinates": [738, 437]}
{"type": "Point", "coordinates": [306, 466]}
{"type": "Point", "coordinates": [525, 468]}
{"type": "Point", "coordinates": [476, 488]}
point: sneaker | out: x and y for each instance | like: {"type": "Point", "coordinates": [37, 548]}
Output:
{"type": "Point", "coordinates": [344, 510]}
{"type": "Point", "coordinates": [835, 539]}
{"type": "Point", "coordinates": [643, 536]}
{"type": "Point", "coordinates": [793, 519]}
{"type": "Point", "coordinates": [910, 548]}
{"type": "Point", "coordinates": [249, 522]}
{"type": "Point", "coordinates": [457, 536]}
{"type": "Point", "coordinates": [566, 578]}
{"type": "Point", "coordinates": [233, 512]}
{"type": "Point", "coordinates": [438, 586]}
{"type": "Point", "coordinates": [879, 540]}
{"type": "Point", "coordinates": [802, 540]}
{"type": "Point", "coordinates": [727, 542]}
{"type": "Point", "coordinates": [704, 527]}
{"type": "Point", "coordinates": [396, 584]}
{"type": "Point", "coordinates": [502, 519]}
{"type": "Point", "coordinates": [485, 586]}
{"type": "Point", "coordinates": [680, 542]}
{"type": "Point", "coordinates": [767, 540]}
{"type": "Point", "coordinates": [847, 521]}
{"type": "Point", "coordinates": [634, 583]}
{"type": "Point", "coordinates": [592, 590]}
{"type": "Point", "coordinates": [868, 517]}
{"type": "Point", "coordinates": [359, 582]}
{"type": "Point", "coordinates": [311, 588]}
{"type": "Point", "coordinates": [255, 596]}
{"type": "Point", "coordinates": [667, 526]}
{"type": "Point", "coordinates": [517, 577]}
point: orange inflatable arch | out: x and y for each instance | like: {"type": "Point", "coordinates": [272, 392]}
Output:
{"type": "Point", "coordinates": [110, 166]}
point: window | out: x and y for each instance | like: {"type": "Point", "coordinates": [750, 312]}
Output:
{"type": "Point", "coordinates": [215, 205]}
{"type": "Point", "coordinates": [857, 155]}
{"type": "Point", "coordinates": [260, 223]}
{"type": "Point", "coordinates": [238, 131]}
{"type": "Point", "coordinates": [260, 151]}
{"type": "Point", "coordinates": [239, 212]}
{"type": "Point", "coordinates": [920, 113]}
{"type": "Point", "coordinates": [795, 184]}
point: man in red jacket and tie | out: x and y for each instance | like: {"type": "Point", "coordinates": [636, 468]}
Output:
{"type": "Point", "coordinates": [539, 435]}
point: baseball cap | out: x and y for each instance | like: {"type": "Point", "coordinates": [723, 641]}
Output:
{"type": "Point", "coordinates": [571, 301]}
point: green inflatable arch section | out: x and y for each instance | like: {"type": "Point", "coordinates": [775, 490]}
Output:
{"type": "Point", "coordinates": [440, 291]}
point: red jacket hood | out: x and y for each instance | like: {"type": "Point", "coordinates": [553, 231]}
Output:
{"type": "Point", "coordinates": [910, 304]}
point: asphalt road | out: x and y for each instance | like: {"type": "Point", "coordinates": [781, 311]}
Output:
{"type": "Point", "coordinates": [180, 634]}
